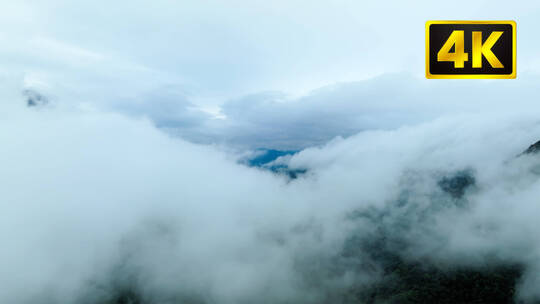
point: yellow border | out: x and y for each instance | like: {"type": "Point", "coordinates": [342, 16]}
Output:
{"type": "Point", "coordinates": [473, 76]}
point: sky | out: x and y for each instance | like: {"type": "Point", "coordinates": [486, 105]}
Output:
{"type": "Point", "coordinates": [129, 175]}
{"type": "Point", "coordinates": [206, 53]}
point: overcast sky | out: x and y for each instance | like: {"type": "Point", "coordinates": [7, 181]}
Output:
{"type": "Point", "coordinates": [203, 54]}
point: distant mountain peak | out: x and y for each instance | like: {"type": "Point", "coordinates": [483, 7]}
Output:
{"type": "Point", "coordinates": [534, 148]}
{"type": "Point", "coordinates": [34, 98]}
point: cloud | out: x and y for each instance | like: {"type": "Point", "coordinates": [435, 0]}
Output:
{"type": "Point", "coordinates": [220, 51]}
{"type": "Point", "coordinates": [98, 206]}
{"type": "Point", "coordinates": [275, 120]}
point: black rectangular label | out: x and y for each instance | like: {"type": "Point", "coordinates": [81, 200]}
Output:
{"type": "Point", "coordinates": [470, 49]}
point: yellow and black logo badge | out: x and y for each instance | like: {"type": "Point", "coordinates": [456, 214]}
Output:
{"type": "Point", "coordinates": [471, 49]}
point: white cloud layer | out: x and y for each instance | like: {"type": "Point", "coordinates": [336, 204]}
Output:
{"type": "Point", "coordinates": [94, 202]}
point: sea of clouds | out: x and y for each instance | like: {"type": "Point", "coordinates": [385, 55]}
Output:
{"type": "Point", "coordinates": [122, 177]}
{"type": "Point", "coordinates": [97, 202]}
